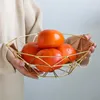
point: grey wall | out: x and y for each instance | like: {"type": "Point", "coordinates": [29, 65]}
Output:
{"type": "Point", "coordinates": [77, 17]}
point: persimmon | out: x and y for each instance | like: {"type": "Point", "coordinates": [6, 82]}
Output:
{"type": "Point", "coordinates": [67, 50]}
{"type": "Point", "coordinates": [51, 57]}
{"type": "Point", "coordinates": [50, 38]}
{"type": "Point", "coordinates": [30, 48]}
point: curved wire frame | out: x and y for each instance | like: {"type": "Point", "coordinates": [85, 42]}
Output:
{"type": "Point", "coordinates": [16, 45]}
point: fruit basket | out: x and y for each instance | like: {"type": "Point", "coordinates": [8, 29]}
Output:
{"type": "Point", "coordinates": [16, 45]}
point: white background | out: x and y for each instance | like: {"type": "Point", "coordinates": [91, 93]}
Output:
{"type": "Point", "coordinates": [77, 17]}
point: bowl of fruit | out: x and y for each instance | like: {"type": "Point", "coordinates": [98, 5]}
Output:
{"type": "Point", "coordinates": [50, 52]}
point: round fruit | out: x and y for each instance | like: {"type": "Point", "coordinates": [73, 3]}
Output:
{"type": "Point", "coordinates": [68, 50]}
{"type": "Point", "coordinates": [30, 48]}
{"type": "Point", "coordinates": [51, 57]}
{"type": "Point", "coordinates": [50, 38]}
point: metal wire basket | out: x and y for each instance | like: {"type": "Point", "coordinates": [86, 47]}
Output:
{"type": "Point", "coordinates": [17, 44]}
